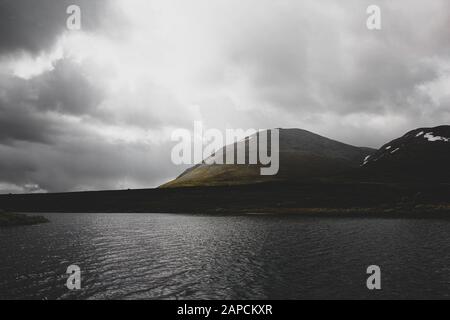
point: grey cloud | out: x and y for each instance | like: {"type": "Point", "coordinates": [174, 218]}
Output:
{"type": "Point", "coordinates": [19, 119]}
{"type": "Point", "coordinates": [33, 26]}
{"type": "Point", "coordinates": [41, 150]}
{"type": "Point", "coordinates": [313, 61]}
{"type": "Point", "coordinates": [83, 163]}
{"type": "Point", "coordinates": [66, 89]}
{"type": "Point", "coordinates": [24, 104]}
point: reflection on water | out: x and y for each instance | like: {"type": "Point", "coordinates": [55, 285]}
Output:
{"type": "Point", "coordinates": [162, 256]}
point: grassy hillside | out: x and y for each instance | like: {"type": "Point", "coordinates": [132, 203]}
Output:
{"type": "Point", "coordinates": [303, 156]}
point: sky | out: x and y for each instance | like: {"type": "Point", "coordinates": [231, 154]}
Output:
{"type": "Point", "coordinates": [94, 108]}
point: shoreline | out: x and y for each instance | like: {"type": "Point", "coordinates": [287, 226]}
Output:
{"type": "Point", "coordinates": [428, 212]}
{"type": "Point", "coordinates": [307, 199]}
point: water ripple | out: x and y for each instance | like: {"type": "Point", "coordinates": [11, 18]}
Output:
{"type": "Point", "coordinates": [159, 256]}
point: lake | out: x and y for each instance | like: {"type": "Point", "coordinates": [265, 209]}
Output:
{"type": "Point", "coordinates": [168, 256]}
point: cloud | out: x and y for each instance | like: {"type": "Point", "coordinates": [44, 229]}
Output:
{"type": "Point", "coordinates": [54, 136]}
{"type": "Point", "coordinates": [83, 163]}
{"type": "Point", "coordinates": [19, 119]}
{"type": "Point", "coordinates": [34, 26]}
{"type": "Point", "coordinates": [26, 105]}
{"type": "Point", "coordinates": [66, 89]}
{"type": "Point", "coordinates": [311, 58]}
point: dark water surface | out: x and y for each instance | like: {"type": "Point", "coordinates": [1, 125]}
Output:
{"type": "Point", "coordinates": [163, 256]}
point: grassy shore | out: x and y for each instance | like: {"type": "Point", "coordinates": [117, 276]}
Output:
{"type": "Point", "coordinates": [15, 219]}
{"type": "Point", "coordinates": [424, 211]}
{"type": "Point", "coordinates": [337, 199]}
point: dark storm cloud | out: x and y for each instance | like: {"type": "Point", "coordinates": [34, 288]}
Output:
{"type": "Point", "coordinates": [41, 149]}
{"type": "Point", "coordinates": [66, 89]}
{"type": "Point", "coordinates": [34, 25]}
{"type": "Point", "coordinates": [19, 118]}
{"type": "Point", "coordinates": [25, 104]}
{"type": "Point", "coordinates": [48, 140]}
{"type": "Point", "coordinates": [82, 161]}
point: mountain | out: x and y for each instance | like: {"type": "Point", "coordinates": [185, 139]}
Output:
{"type": "Point", "coordinates": [303, 156]}
{"type": "Point", "coordinates": [420, 155]}
{"type": "Point", "coordinates": [402, 179]}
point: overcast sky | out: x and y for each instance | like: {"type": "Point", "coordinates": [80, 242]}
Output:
{"type": "Point", "coordinates": [94, 109]}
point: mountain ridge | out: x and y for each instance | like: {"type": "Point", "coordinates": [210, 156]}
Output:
{"type": "Point", "coordinates": [366, 191]}
{"type": "Point", "coordinates": [420, 154]}
{"type": "Point", "coordinates": [306, 156]}
{"type": "Point", "coordinates": [303, 155]}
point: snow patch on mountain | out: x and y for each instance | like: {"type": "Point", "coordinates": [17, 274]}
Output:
{"type": "Point", "coordinates": [430, 137]}
{"type": "Point", "coordinates": [366, 160]}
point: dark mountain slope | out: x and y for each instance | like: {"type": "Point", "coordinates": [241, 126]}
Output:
{"type": "Point", "coordinates": [420, 155]}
